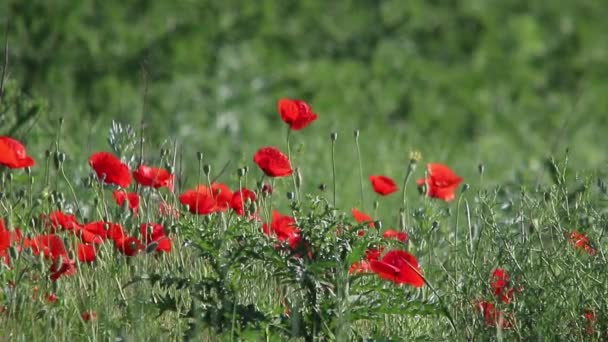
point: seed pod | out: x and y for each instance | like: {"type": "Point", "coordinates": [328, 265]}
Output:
{"type": "Point", "coordinates": [207, 169]}
{"type": "Point", "coordinates": [333, 136]}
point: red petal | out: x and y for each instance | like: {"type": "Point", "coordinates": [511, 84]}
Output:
{"type": "Point", "coordinates": [382, 185]}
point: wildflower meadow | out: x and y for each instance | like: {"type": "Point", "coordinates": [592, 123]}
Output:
{"type": "Point", "coordinates": [318, 203]}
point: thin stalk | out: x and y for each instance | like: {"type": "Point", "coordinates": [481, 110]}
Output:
{"type": "Point", "coordinates": [293, 176]}
{"type": "Point", "coordinates": [360, 169]}
{"type": "Point", "coordinates": [333, 167]}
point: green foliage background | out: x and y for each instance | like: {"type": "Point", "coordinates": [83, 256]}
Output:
{"type": "Point", "coordinates": [504, 83]}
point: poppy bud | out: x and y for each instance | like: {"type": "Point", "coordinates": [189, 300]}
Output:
{"type": "Point", "coordinates": [61, 121]}
{"type": "Point", "coordinates": [151, 247]}
{"type": "Point", "coordinates": [13, 252]}
{"type": "Point", "coordinates": [290, 195]}
{"type": "Point", "coordinates": [378, 224]}
{"type": "Point", "coordinates": [32, 179]}
{"type": "Point", "coordinates": [322, 187]}
{"type": "Point", "coordinates": [481, 168]}
{"type": "Point", "coordinates": [9, 176]}
{"type": "Point", "coordinates": [435, 225]}
{"type": "Point", "coordinates": [298, 178]}
{"type": "Point", "coordinates": [241, 172]}
{"type": "Point", "coordinates": [164, 152]}
{"type": "Point", "coordinates": [47, 153]}
{"type": "Point", "coordinates": [28, 170]}
{"type": "Point", "coordinates": [356, 133]}
{"type": "Point", "coordinates": [376, 205]}
{"type": "Point", "coordinates": [333, 136]}
{"type": "Point", "coordinates": [199, 156]}
{"type": "Point", "coordinates": [207, 169]}
{"type": "Point", "coordinates": [465, 187]}
{"type": "Point", "coordinates": [246, 168]}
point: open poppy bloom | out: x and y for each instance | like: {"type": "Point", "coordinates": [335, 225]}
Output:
{"type": "Point", "coordinates": [281, 226]}
{"type": "Point", "coordinates": [13, 154]}
{"type": "Point", "coordinates": [398, 266]}
{"type": "Point", "coordinates": [273, 162]}
{"type": "Point", "coordinates": [62, 267]}
{"type": "Point", "coordinates": [128, 246]}
{"type": "Point", "coordinates": [85, 253]}
{"type": "Point", "coordinates": [50, 245]}
{"type": "Point", "coordinates": [154, 177]}
{"type": "Point", "coordinates": [240, 198]}
{"type": "Point", "coordinates": [110, 169]}
{"type": "Point", "coordinates": [296, 113]}
{"type": "Point", "coordinates": [59, 219]}
{"type": "Point", "coordinates": [199, 200]}
{"type": "Point", "coordinates": [132, 199]}
{"type": "Point", "coordinates": [580, 242]}
{"type": "Point", "coordinates": [93, 232]}
{"type": "Point", "coordinates": [361, 217]}
{"type": "Point", "coordinates": [393, 234]}
{"type": "Point", "coordinates": [441, 182]}
{"type": "Point", "coordinates": [6, 239]}
{"type": "Point", "coordinates": [382, 185]}
{"type": "Point", "coordinates": [498, 282]}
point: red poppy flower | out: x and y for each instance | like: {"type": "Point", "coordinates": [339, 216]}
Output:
{"type": "Point", "coordinates": [6, 239]}
{"type": "Point", "coordinates": [441, 182]}
{"type": "Point", "coordinates": [491, 316]}
{"type": "Point", "coordinates": [88, 315]}
{"type": "Point", "coordinates": [580, 242]}
{"type": "Point", "coordinates": [281, 226]}
{"type": "Point", "coordinates": [93, 232]}
{"type": "Point", "coordinates": [393, 234]}
{"type": "Point", "coordinates": [50, 245]}
{"type": "Point", "coordinates": [154, 177]}
{"type": "Point", "coordinates": [62, 267]}
{"type": "Point", "coordinates": [240, 198]}
{"type": "Point", "coordinates": [199, 201]}
{"type": "Point", "coordinates": [589, 316]}
{"type": "Point", "coordinates": [58, 219]}
{"type": "Point", "coordinates": [132, 199]}
{"type": "Point", "coordinates": [51, 298]}
{"type": "Point", "coordinates": [151, 232]}
{"type": "Point", "coordinates": [86, 253]}
{"type": "Point", "coordinates": [110, 169]}
{"type": "Point", "coordinates": [222, 195]}
{"type": "Point", "coordinates": [13, 154]}
{"type": "Point", "coordinates": [273, 162]}
{"type": "Point", "coordinates": [296, 113]}
{"type": "Point", "coordinates": [361, 217]}
{"type": "Point", "coordinates": [400, 267]}
{"type": "Point", "coordinates": [498, 282]}
{"type": "Point", "coordinates": [128, 246]}
{"type": "Point", "coordinates": [163, 244]}
{"type": "Point", "coordinates": [364, 266]}
{"type": "Point", "coordinates": [382, 185]}
{"type": "Point", "coordinates": [115, 232]}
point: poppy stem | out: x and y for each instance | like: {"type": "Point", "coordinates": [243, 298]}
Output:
{"type": "Point", "coordinates": [333, 166]}
{"type": "Point", "coordinates": [293, 176]}
{"type": "Point", "coordinates": [360, 169]}
{"type": "Point", "coordinates": [410, 170]}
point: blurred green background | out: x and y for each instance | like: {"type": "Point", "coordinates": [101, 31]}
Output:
{"type": "Point", "coordinates": [504, 83]}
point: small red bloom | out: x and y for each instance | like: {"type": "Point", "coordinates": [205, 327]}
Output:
{"type": "Point", "coordinates": [491, 316]}
{"type": "Point", "coordinates": [498, 282]}
{"type": "Point", "coordinates": [296, 113]}
{"type": "Point", "coordinates": [115, 232]}
{"type": "Point", "coordinates": [128, 246]}
{"type": "Point", "coordinates": [580, 242]}
{"type": "Point", "coordinates": [13, 154]}
{"type": "Point", "coordinates": [88, 315]}
{"type": "Point", "coordinates": [110, 169]}
{"type": "Point", "coordinates": [86, 253]}
{"type": "Point", "coordinates": [441, 181]}
{"type": "Point", "coordinates": [240, 198]}
{"type": "Point", "coordinates": [382, 185]}
{"type": "Point", "coordinates": [399, 267]}
{"type": "Point", "coordinates": [93, 232]}
{"type": "Point", "coordinates": [132, 199]}
{"type": "Point", "coordinates": [163, 244]}
{"type": "Point", "coordinates": [51, 298]}
{"type": "Point", "coordinates": [393, 234]}
{"type": "Point", "coordinates": [361, 217]}
{"type": "Point", "coordinates": [199, 201]}
{"type": "Point", "coordinates": [273, 162]}
{"type": "Point", "coordinates": [590, 318]}
{"type": "Point", "coordinates": [154, 177]}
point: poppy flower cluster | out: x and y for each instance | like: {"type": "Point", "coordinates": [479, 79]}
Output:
{"type": "Point", "coordinates": [499, 284]}
{"type": "Point", "coordinates": [205, 200]}
{"type": "Point", "coordinates": [441, 182]}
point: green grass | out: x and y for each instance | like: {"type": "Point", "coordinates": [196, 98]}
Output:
{"type": "Point", "coordinates": [510, 86]}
